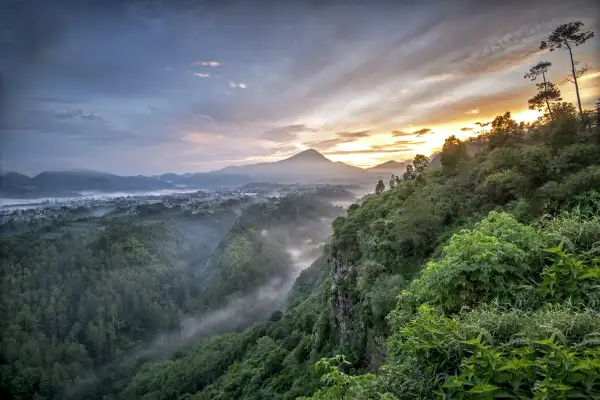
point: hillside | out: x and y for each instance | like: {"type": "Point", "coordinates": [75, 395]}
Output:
{"type": "Point", "coordinates": [468, 250]}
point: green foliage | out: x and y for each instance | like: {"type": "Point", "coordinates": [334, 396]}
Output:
{"type": "Point", "coordinates": [569, 278]}
{"type": "Point", "coordinates": [534, 366]}
{"type": "Point", "coordinates": [573, 231]}
{"type": "Point", "coordinates": [212, 357]}
{"type": "Point", "coordinates": [77, 298]}
{"type": "Point", "coordinates": [543, 343]}
{"type": "Point", "coordinates": [479, 264]}
{"type": "Point", "coordinates": [506, 352]}
{"type": "Point", "coordinates": [380, 187]}
{"type": "Point", "coordinates": [453, 152]}
{"type": "Point", "coordinates": [505, 131]}
{"type": "Point", "coordinates": [338, 385]}
{"type": "Point", "coordinates": [81, 301]}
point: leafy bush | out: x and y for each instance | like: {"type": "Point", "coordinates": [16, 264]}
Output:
{"type": "Point", "coordinates": [479, 264]}
{"type": "Point", "coordinates": [494, 352]}
{"type": "Point", "coordinates": [570, 278]}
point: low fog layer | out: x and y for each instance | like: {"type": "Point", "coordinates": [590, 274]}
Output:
{"type": "Point", "coordinates": [306, 242]}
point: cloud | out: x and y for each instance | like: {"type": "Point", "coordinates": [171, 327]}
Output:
{"type": "Point", "coordinates": [353, 135]}
{"type": "Point", "coordinates": [399, 146]}
{"type": "Point", "coordinates": [367, 151]}
{"type": "Point", "coordinates": [423, 131]}
{"type": "Point", "coordinates": [492, 104]}
{"type": "Point", "coordinates": [341, 137]}
{"type": "Point", "coordinates": [53, 100]}
{"type": "Point", "coordinates": [79, 113]}
{"type": "Point", "coordinates": [238, 85]}
{"type": "Point", "coordinates": [419, 132]}
{"type": "Point", "coordinates": [408, 142]}
{"type": "Point", "coordinates": [325, 144]}
{"type": "Point", "coordinates": [284, 133]}
{"type": "Point", "coordinates": [330, 67]}
{"type": "Point", "coordinates": [466, 129]}
{"type": "Point", "coordinates": [201, 75]}
{"type": "Point", "coordinates": [473, 111]}
{"type": "Point", "coordinates": [208, 63]}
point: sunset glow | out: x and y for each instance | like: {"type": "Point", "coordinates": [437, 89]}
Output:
{"type": "Point", "coordinates": [184, 90]}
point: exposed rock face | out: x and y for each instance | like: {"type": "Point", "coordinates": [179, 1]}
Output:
{"type": "Point", "coordinates": [340, 306]}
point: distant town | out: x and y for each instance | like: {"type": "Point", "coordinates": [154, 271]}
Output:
{"type": "Point", "coordinates": [16, 214]}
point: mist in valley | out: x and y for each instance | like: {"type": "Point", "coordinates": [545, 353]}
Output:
{"type": "Point", "coordinates": [302, 243]}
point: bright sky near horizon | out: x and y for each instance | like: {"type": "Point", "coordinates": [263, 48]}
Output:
{"type": "Point", "coordinates": [151, 86]}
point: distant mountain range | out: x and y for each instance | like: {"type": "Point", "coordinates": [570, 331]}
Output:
{"type": "Point", "coordinates": [67, 183]}
{"type": "Point", "coordinates": [309, 166]}
{"type": "Point", "coordinates": [389, 168]}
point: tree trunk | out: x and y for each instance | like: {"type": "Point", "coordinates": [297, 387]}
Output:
{"type": "Point", "coordinates": [575, 80]}
{"type": "Point", "coordinates": [547, 102]}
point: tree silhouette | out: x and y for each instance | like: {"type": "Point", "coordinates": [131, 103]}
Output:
{"type": "Point", "coordinates": [420, 163]}
{"type": "Point", "coordinates": [565, 37]}
{"type": "Point", "coordinates": [598, 114]}
{"type": "Point", "coordinates": [409, 174]}
{"type": "Point", "coordinates": [453, 152]}
{"type": "Point", "coordinates": [547, 91]}
{"type": "Point", "coordinates": [504, 129]}
{"type": "Point", "coordinates": [380, 187]}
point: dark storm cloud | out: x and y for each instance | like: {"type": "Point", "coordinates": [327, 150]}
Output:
{"type": "Point", "coordinates": [95, 80]}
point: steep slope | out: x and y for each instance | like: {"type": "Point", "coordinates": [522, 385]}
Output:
{"type": "Point", "coordinates": [382, 245]}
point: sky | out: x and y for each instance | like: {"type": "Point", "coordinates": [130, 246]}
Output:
{"type": "Point", "coordinates": [147, 87]}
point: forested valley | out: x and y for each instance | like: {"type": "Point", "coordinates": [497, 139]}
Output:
{"type": "Point", "coordinates": [473, 280]}
{"type": "Point", "coordinates": [86, 299]}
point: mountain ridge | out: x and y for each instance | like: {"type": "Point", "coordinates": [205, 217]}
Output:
{"type": "Point", "coordinates": [389, 167]}
{"type": "Point", "coordinates": [308, 166]}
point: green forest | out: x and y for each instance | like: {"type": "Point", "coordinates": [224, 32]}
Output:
{"type": "Point", "coordinates": [84, 299]}
{"type": "Point", "coordinates": [479, 279]}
